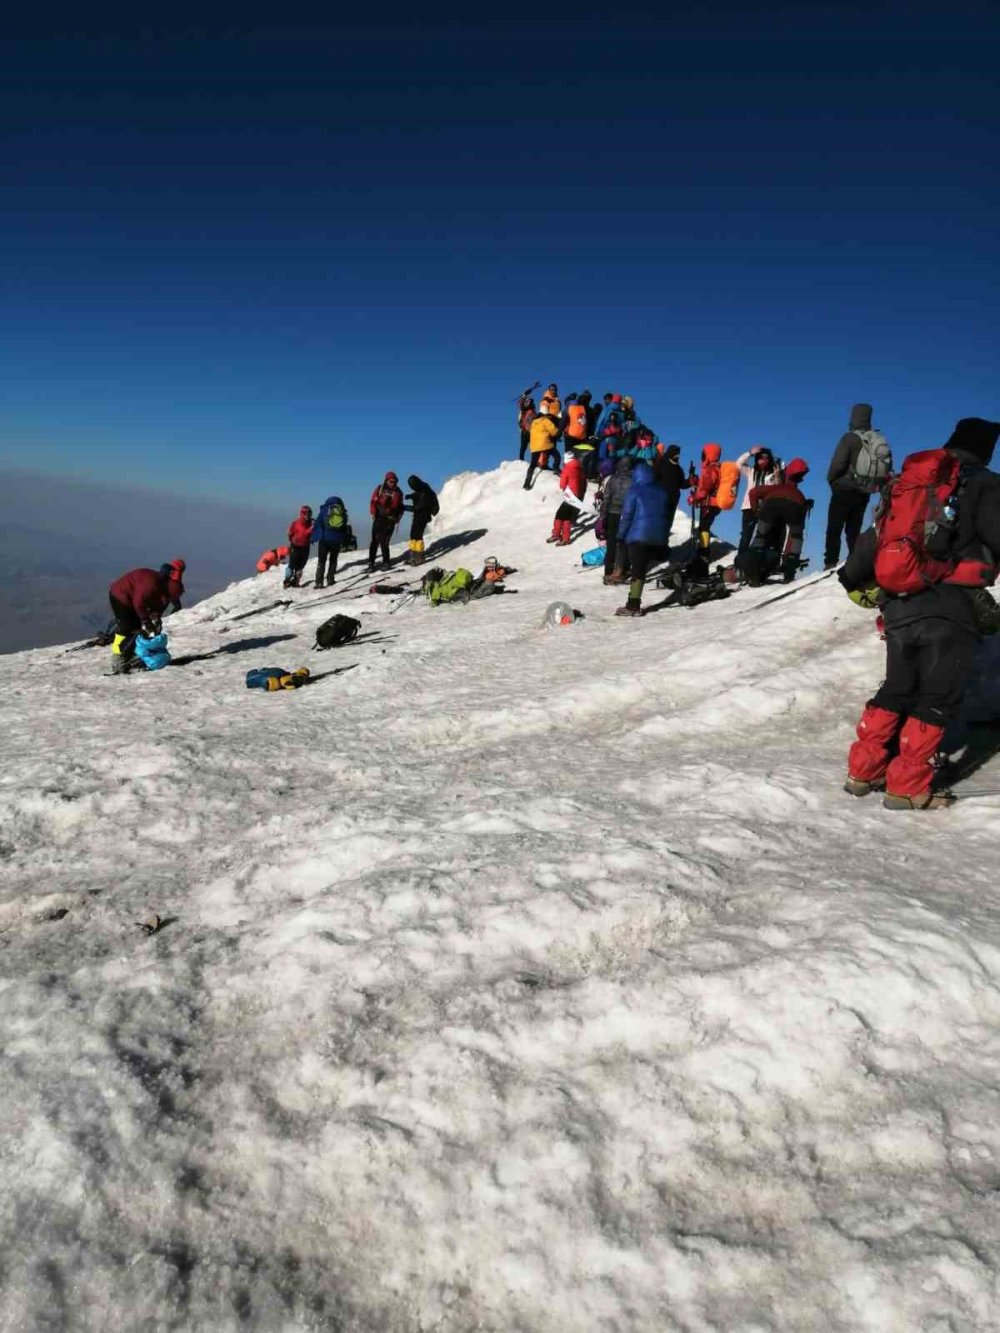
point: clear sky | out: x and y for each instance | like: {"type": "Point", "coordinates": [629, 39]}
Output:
{"type": "Point", "coordinates": [267, 262]}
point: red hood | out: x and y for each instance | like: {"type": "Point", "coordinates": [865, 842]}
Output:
{"type": "Point", "coordinates": [711, 453]}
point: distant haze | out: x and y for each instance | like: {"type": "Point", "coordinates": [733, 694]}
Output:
{"type": "Point", "coordinates": [63, 542]}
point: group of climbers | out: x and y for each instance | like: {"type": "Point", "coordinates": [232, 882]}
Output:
{"type": "Point", "coordinates": [330, 531]}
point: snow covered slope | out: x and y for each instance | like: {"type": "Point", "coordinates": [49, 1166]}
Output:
{"type": "Point", "coordinates": [510, 979]}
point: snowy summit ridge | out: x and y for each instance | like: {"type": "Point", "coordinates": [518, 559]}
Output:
{"type": "Point", "coordinates": [511, 979]}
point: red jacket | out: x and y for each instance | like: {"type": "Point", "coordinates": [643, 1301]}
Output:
{"type": "Point", "coordinates": [386, 503]}
{"type": "Point", "coordinates": [146, 591]}
{"type": "Point", "coordinates": [708, 484]}
{"type": "Point", "coordinates": [786, 490]}
{"type": "Point", "coordinates": [571, 478]}
{"type": "Point", "coordinates": [300, 529]}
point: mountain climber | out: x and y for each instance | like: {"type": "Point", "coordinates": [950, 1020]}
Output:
{"type": "Point", "coordinates": [526, 413]}
{"type": "Point", "coordinates": [643, 528]}
{"type": "Point", "coordinates": [138, 600]}
{"type": "Point", "coordinates": [277, 555]}
{"type": "Point", "coordinates": [931, 632]}
{"type": "Point", "coordinates": [759, 467]}
{"type": "Point", "coordinates": [328, 530]}
{"type": "Point", "coordinates": [703, 498]}
{"type": "Point", "coordinates": [542, 441]}
{"type": "Point", "coordinates": [849, 494]}
{"type": "Point", "coordinates": [616, 488]}
{"type": "Point", "coordinates": [423, 505]}
{"type": "Point", "coordinates": [572, 482]}
{"type": "Point", "coordinates": [609, 427]}
{"type": "Point", "coordinates": [300, 534]}
{"type": "Point", "coordinates": [549, 404]}
{"type": "Point", "coordinates": [386, 509]}
{"type": "Point", "coordinates": [671, 476]}
{"type": "Point", "coordinates": [779, 512]}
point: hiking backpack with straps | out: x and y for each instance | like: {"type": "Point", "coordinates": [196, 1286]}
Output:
{"type": "Point", "coordinates": [915, 544]}
{"type": "Point", "coordinates": [335, 517]}
{"type": "Point", "coordinates": [873, 465]}
{"type": "Point", "coordinates": [336, 631]}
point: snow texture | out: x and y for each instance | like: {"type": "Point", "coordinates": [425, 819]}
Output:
{"type": "Point", "coordinates": [512, 979]}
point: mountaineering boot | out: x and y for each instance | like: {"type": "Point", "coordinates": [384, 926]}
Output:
{"type": "Point", "coordinates": [859, 787]}
{"type": "Point", "coordinates": [929, 800]}
{"type": "Point", "coordinates": [330, 580]}
{"type": "Point", "coordinates": [631, 608]}
{"type": "Point", "coordinates": [318, 583]}
{"type": "Point", "coordinates": [618, 577]}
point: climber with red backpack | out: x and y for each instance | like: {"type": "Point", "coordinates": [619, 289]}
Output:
{"type": "Point", "coordinates": [934, 549]}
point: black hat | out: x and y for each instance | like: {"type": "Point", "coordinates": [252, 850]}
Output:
{"type": "Point", "coordinates": [975, 436]}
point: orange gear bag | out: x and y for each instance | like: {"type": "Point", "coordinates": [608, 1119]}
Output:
{"type": "Point", "coordinates": [728, 487]}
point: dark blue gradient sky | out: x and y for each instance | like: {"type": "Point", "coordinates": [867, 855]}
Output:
{"type": "Point", "coordinates": [265, 263]}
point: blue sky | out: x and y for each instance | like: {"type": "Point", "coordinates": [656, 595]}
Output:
{"type": "Point", "coordinates": [264, 263]}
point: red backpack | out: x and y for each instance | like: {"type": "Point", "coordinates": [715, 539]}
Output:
{"type": "Point", "coordinates": [916, 531]}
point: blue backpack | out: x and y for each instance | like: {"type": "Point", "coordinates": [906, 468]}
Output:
{"type": "Point", "coordinates": [594, 557]}
{"type": "Point", "coordinates": [152, 652]}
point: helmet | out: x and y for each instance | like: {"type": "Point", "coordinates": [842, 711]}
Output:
{"type": "Point", "coordinates": [798, 467]}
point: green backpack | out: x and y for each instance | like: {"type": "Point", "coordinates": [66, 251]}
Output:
{"type": "Point", "coordinates": [336, 515]}
{"type": "Point", "coordinates": [453, 586]}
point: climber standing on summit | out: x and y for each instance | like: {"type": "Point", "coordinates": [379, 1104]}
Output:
{"type": "Point", "coordinates": [386, 509]}
{"type": "Point", "coordinates": [860, 466]}
{"type": "Point", "coordinates": [422, 503]}
{"type": "Point", "coordinates": [928, 564]}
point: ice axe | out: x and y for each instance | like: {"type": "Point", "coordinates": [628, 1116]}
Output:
{"type": "Point", "coordinates": [530, 389]}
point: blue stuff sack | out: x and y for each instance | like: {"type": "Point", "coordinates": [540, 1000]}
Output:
{"type": "Point", "coordinates": [594, 557]}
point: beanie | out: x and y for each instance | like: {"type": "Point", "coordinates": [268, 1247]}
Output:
{"type": "Point", "coordinates": [975, 436]}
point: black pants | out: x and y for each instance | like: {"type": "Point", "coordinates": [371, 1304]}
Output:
{"type": "Point", "coordinates": [327, 551]}
{"type": "Point", "coordinates": [640, 557]}
{"type": "Point", "coordinates": [418, 527]}
{"type": "Point", "coordinates": [382, 530]}
{"type": "Point", "coordinates": [297, 557]}
{"type": "Point", "coordinates": [846, 515]}
{"type": "Point", "coordinates": [928, 665]}
{"type": "Point", "coordinates": [611, 522]}
{"type": "Point", "coordinates": [127, 623]}
{"type": "Point", "coordinates": [748, 523]}
{"type": "Point", "coordinates": [525, 437]}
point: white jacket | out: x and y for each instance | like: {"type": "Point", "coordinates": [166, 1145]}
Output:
{"type": "Point", "coordinates": [746, 466]}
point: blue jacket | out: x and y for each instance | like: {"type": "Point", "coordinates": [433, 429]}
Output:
{"type": "Point", "coordinates": [322, 533]}
{"type": "Point", "coordinates": [644, 514]}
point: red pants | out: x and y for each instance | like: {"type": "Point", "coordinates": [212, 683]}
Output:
{"type": "Point", "coordinates": [911, 772]}
{"type": "Point", "coordinates": [561, 529]}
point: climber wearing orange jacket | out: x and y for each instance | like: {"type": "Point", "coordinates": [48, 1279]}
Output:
{"type": "Point", "coordinates": [703, 497]}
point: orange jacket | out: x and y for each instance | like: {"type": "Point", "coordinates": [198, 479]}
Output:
{"type": "Point", "coordinates": [276, 556]}
{"type": "Point", "coordinates": [708, 482]}
{"type": "Point", "coordinates": [550, 405]}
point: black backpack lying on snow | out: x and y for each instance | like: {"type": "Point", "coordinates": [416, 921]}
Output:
{"type": "Point", "coordinates": [336, 631]}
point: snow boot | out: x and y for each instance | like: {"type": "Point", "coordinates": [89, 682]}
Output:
{"type": "Point", "coordinates": [859, 787]}
{"type": "Point", "coordinates": [631, 608]}
{"type": "Point", "coordinates": [330, 580]}
{"type": "Point", "coordinates": [318, 583]}
{"type": "Point", "coordinates": [930, 800]}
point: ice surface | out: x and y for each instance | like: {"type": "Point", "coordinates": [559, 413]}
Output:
{"type": "Point", "coordinates": [514, 979]}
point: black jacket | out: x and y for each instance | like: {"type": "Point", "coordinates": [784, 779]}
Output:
{"type": "Point", "coordinates": [671, 476]}
{"type": "Point", "coordinates": [617, 487]}
{"type": "Point", "coordinates": [840, 474]}
{"type": "Point", "coordinates": [422, 501]}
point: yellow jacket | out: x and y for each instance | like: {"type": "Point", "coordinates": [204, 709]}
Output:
{"type": "Point", "coordinates": [543, 434]}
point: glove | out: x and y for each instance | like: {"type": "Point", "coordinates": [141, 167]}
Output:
{"type": "Point", "coordinates": [755, 451]}
{"type": "Point", "coordinates": [691, 500]}
{"type": "Point", "coordinates": [151, 627]}
{"type": "Point", "coordinates": [866, 598]}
